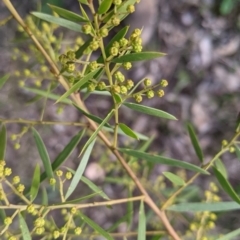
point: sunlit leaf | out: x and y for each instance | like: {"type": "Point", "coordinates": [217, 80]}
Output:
{"type": "Point", "coordinates": [226, 185]}
{"type": "Point", "coordinates": [24, 228]}
{"type": "Point", "coordinates": [77, 85]}
{"type": "Point", "coordinates": [3, 142]}
{"type": "Point", "coordinates": [204, 206]}
{"type": "Point", "coordinates": [43, 153]}
{"type": "Point", "coordinates": [195, 142]}
{"type": "Point", "coordinates": [59, 21]}
{"type": "Point", "coordinates": [142, 223]}
{"type": "Point", "coordinates": [163, 160]}
{"type": "Point", "coordinates": [176, 180]}
{"type": "Point", "coordinates": [221, 168]}
{"type": "Point", "coordinates": [104, 6]}
{"type": "Point", "coordinates": [44, 197]}
{"type": "Point", "coordinates": [3, 80]}
{"type": "Point", "coordinates": [35, 183]}
{"type": "Point", "coordinates": [150, 111]}
{"type": "Point", "coordinates": [67, 14]}
{"type": "Point", "coordinates": [128, 131]}
{"type": "Point", "coordinates": [48, 95]}
{"type": "Point", "coordinates": [135, 57]}
{"type": "Point", "coordinates": [65, 153]}
{"type": "Point", "coordinates": [94, 135]}
{"type": "Point", "coordinates": [95, 227]}
{"type": "Point", "coordinates": [81, 168]}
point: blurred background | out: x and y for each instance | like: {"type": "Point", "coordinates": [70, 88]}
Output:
{"type": "Point", "coordinates": [202, 41]}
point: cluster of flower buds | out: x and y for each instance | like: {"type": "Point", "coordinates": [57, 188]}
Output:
{"type": "Point", "coordinates": [149, 90]}
{"type": "Point", "coordinates": [67, 61]}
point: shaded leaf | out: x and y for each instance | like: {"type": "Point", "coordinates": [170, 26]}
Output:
{"type": "Point", "coordinates": [104, 6]}
{"type": "Point", "coordinates": [128, 131]}
{"type": "Point", "coordinates": [150, 111]}
{"type": "Point", "coordinates": [221, 168]}
{"type": "Point", "coordinates": [2, 214]}
{"type": "Point", "coordinates": [65, 153]}
{"type": "Point", "coordinates": [80, 51]}
{"type": "Point", "coordinates": [83, 1]}
{"type": "Point", "coordinates": [43, 153]}
{"type": "Point", "coordinates": [204, 206]}
{"type": "Point", "coordinates": [119, 221]}
{"type": "Point", "coordinates": [78, 200]}
{"type": "Point", "coordinates": [94, 135]}
{"type": "Point", "coordinates": [142, 223]}
{"type": "Point", "coordinates": [226, 185]}
{"type": "Point", "coordinates": [139, 135]}
{"type": "Point", "coordinates": [117, 98]}
{"type": "Point", "coordinates": [77, 85]}
{"type": "Point", "coordinates": [94, 187]}
{"type": "Point", "coordinates": [176, 180]}
{"type": "Point", "coordinates": [135, 57]}
{"type": "Point", "coordinates": [81, 168]}
{"type": "Point", "coordinates": [67, 14]}
{"type": "Point", "coordinates": [3, 142]}
{"type": "Point", "coordinates": [96, 227]}
{"type": "Point", "coordinates": [24, 228]}
{"type": "Point", "coordinates": [92, 117]}
{"type": "Point", "coordinates": [35, 183]}
{"type": "Point", "coordinates": [237, 149]}
{"type": "Point", "coordinates": [195, 142]}
{"type": "Point", "coordinates": [59, 21]}
{"type": "Point", "coordinates": [48, 95]}
{"type": "Point", "coordinates": [230, 235]}
{"type": "Point", "coordinates": [163, 160]}
{"type": "Point", "coordinates": [3, 80]}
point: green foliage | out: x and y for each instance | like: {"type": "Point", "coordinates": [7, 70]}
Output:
{"type": "Point", "coordinates": [65, 73]}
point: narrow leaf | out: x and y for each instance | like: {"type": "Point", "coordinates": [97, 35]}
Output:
{"type": "Point", "coordinates": [3, 142]}
{"type": "Point", "coordinates": [83, 1]}
{"type": "Point", "coordinates": [2, 214]}
{"type": "Point", "coordinates": [195, 142]}
{"type": "Point", "coordinates": [94, 135]}
{"type": "Point", "coordinates": [3, 80]}
{"type": "Point", "coordinates": [163, 160]}
{"type": "Point", "coordinates": [104, 6]}
{"type": "Point", "coordinates": [94, 187]}
{"type": "Point", "coordinates": [128, 131]}
{"type": "Point", "coordinates": [117, 98]}
{"type": "Point", "coordinates": [142, 223]}
{"type": "Point", "coordinates": [44, 197]}
{"type": "Point", "coordinates": [43, 153]}
{"type": "Point", "coordinates": [135, 57]}
{"type": "Point", "coordinates": [119, 221]}
{"type": "Point", "coordinates": [48, 95]}
{"type": "Point", "coordinates": [226, 185]}
{"type": "Point", "coordinates": [59, 21]}
{"type": "Point", "coordinates": [237, 149]}
{"type": "Point", "coordinates": [80, 51]}
{"type": "Point", "coordinates": [231, 235]}
{"type": "Point", "coordinates": [80, 170]}
{"type": "Point", "coordinates": [204, 206]}
{"type": "Point", "coordinates": [35, 183]}
{"type": "Point", "coordinates": [221, 168]}
{"type": "Point", "coordinates": [96, 227]}
{"type": "Point", "coordinates": [149, 111]}
{"type": "Point", "coordinates": [77, 85]}
{"type": "Point", "coordinates": [65, 153]}
{"type": "Point", "coordinates": [67, 14]}
{"type": "Point", "coordinates": [92, 117]}
{"type": "Point", "coordinates": [176, 180]}
{"type": "Point", "coordinates": [24, 228]}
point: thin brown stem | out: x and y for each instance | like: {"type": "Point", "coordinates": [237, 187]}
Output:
{"type": "Point", "coordinates": [77, 100]}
